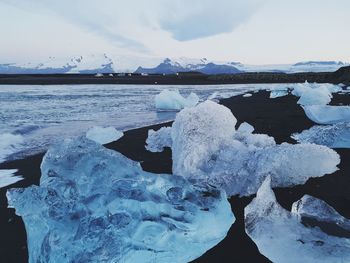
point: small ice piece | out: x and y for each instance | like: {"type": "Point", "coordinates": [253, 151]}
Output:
{"type": "Point", "coordinates": [278, 93]}
{"type": "Point", "coordinates": [7, 177]}
{"type": "Point", "coordinates": [296, 236]}
{"type": "Point", "coordinates": [157, 140]}
{"type": "Point", "coordinates": [245, 128]}
{"type": "Point", "coordinates": [206, 146]}
{"type": "Point", "coordinates": [247, 95]}
{"type": "Point", "coordinates": [316, 96]}
{"type": "Point", "coordinates": [95, 205]}
{"type": "Point", "coordinates": [326, 114]}
{"type": "Point", "coordinates": [9, 143]}
{"type": "Point", "coordinates": [333, 136]}
{"type": "Point", "coordinates": [172, 100]}
{"type": "Point", "coordinates": [103, 135]}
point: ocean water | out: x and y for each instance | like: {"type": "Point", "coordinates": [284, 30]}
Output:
{"type": "Point", "coordinates": [42, 115]}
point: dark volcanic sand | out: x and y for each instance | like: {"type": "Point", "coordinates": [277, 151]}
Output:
{"type": "Point", "coordinates": [278, 117]}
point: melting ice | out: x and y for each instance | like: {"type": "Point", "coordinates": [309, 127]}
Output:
{"type": "Point", "coordinates": [95, 205]}
{"type": "Point", "coordinates": [173, 100]}
{"type": "Point", "coordinates": [206, 145]}
{"type": "Point", "coordinates": [333, 136]}
{"type": "Point", "coordinates": [297, 236]}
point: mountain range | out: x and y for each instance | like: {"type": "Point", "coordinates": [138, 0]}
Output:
{"type": "Point", "coordinates": [92, 64]}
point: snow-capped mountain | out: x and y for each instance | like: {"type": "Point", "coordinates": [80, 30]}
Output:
{"type": "Point", "coordinates": [79, 64]}
{"type": "Point", "coordinates": [103, 63]}
{"type": "Point", "coordinates": [169, 66]}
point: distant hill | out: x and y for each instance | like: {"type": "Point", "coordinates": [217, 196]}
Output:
{"type": "Point", "coordinates": [169, 66]}
{"type": "Point", "coordinates": [102, 63]}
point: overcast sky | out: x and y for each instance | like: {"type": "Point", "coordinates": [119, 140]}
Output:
{"type": "Point", "coordinates": [249, 31]}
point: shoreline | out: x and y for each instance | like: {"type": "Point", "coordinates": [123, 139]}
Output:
{"type": "Point", "coordinates": [279, 117]}
{"type": "Point", "coordinates": [342, 75]}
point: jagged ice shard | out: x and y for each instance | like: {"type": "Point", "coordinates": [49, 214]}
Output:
{"type": "Point", "coordinates": [95, 205]}
{"type": "Point", "coordinates": [206, 146]}
{"type": "Point", "coordinates": [312, 232]}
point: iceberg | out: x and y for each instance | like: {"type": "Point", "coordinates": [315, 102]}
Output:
{"type": "Point", "coordinates": [172, 100]}
{"type": "Point", "coordinates": [299, 235]}
{"type": "Point", "coordinates": [333, 136]}
{"type": "Point", "coordinates": [103, 135]}
{"type": "Point", "coordinates": [326, 114]}
{"type": "Point", "coordinates": [206, 146]}
{"type": "Point", "coordinates": [7, 177]}
{"type": "Point", "coordinates": [95, 205]}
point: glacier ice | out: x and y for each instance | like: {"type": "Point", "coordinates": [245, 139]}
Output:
{"type": "Point", "coordinates": [7, 177]}
{"type": "Point", "coordinates": [296, 236]}
{"type": "Point", "coordinates": [206, 146]}
{"type": "Point", "coordinates": [278, 93]}
{"type": "Point", "coordinates": [333, 136]}
{"type": "Point", "coordinates": [173, 100]}
{"type": "Point", "coordinates": [326, 114]}
{"type": "Point", "coordinates": [103, 135]}
{"type": "Point", "coordinates": [9, 143]}
{"type": "Point", "coordinates": [95, 205]}
{"type": "Point", "coordinates": [157, 140]}
{"type": "Point", "coordinates": [314, 93]}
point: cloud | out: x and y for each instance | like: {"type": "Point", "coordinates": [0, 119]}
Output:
{"type": "Point", "coordinates": [121, 22]}
{"type": "Point", "coordinates": [188, 20]}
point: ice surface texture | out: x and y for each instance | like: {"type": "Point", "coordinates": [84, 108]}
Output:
{"type": "Point", "coordinates": [95, 205]}
{"type": "Point", "coordinates": [333, 136]}
{"type": "Point", "coordinates": [296, 236]}
{"type": "Point", "coordinates": [103, 135]}
{"type": "Point", "coordinates": [326, 114]}
{"type": "Point", "coordinates": [205, 145]}
{"type": "Point", "coordinates": [173, 100]}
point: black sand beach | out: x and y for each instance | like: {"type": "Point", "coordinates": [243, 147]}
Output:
{"type": "Point", "coordinates": [278, 117]}
{"type": "Point", "coordinates": [182, 78]}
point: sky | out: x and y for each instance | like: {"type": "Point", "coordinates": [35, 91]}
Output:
{"type": "Point", "coordinates": [248, 31]}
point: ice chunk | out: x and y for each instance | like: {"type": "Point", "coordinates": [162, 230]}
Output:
{"type": "Point", "coordinates": [206, 146]}
{"type": "Point", "coordinates": [9, 144]}
{"type": "Point", "coordinates": [7, 177]}
{"type": "Point", "coordinates": [281, 236]}
{"type": "Point", "coordinates": [314, 210]}
{"type": "Point", "coordinates": [103, 135]}
{"type": "Point", "coordinates": [245, 128]}
{"type": "Point", "coordinates": [173, 100]}
{"type": "Point", "coordinates": [157, 140]}
{"type": "Point", "coordinates": [314, 93]}
{"type": "Point", "coordinates": [95, 205]}
{"type": "Point", "coordinates": [318, 96]}
{"type": "Point", "coordinates": [326, 114]}
{"type": "Point", "coordinates": [333, 136]}
{"type": "Point", "coordinates": [278, 93]}
{"type": "Point", "coordinates": [247, 95]}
